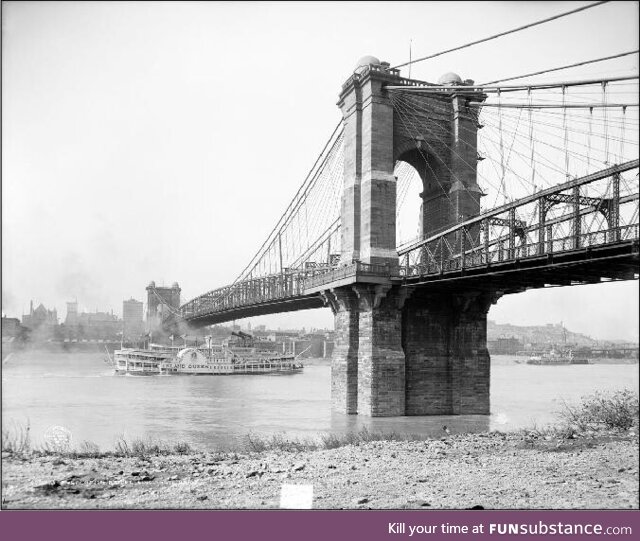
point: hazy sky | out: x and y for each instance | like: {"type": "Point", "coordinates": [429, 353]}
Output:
{"type": "Point", "coordinates": [162, 141]}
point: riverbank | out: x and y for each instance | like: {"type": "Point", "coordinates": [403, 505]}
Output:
{"type": "Point", "coordinates": [526, 470]}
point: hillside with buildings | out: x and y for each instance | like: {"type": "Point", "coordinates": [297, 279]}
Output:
{"type": "Point", "coordinates": [509, 339]}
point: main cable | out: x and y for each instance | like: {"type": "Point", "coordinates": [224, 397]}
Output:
{"type": "Point", "coordinates": [530, 25]}
{"type": "Point", "coordinates": [562, 67]}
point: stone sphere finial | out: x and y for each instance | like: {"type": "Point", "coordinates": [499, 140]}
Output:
{"type": "Point", "coordinates": [450, 79]}
{"type": "Point", "coordinates": [365, 62]}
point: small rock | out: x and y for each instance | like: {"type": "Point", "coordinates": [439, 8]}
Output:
{"type": "Point", "coordinates": [135, 473]}
{"type": "Point", "coordinates": [363, 500]}
{"type": "Point", "coordinates": [173, 478]}
{"type": "Point", "coordinates": [252, 473]}
{"type": "Point", "coordinates": [621, 470]}
{"type": "Point", "coordinates": [147, 478]}
{"type": "Point", "coordinates": [331, 466]}
{"type": "Point", "coordinates": [425, 504]}
{"type": "Point", "coordinates": [203, 497]}
{"type": "Point", "coordinates": [299, 467]}
{"type": "Point", "coordinates": [49, 487]}
{"type": "Point", "coordinates": [353, 468]}
{"type": "Point", "coordinates": [476, 507]}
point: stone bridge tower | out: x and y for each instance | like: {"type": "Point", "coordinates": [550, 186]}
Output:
{"type": "Point", "coordinates": [399, 350]}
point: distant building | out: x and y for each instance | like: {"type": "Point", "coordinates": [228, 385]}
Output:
{"type": "Point", "coordinates": [40, 319]}
{"type": "Point", "coordinates": [132, 323]}
{"type": "Point", "coordinates": [10, 326]}
{"type": "Point", "coordinates": [99, 326]}
{"type": "Point", "coordinates": [160, 301]}
{"type": "Point", "coordinates": [72, 314]}
{"type": "Point", "coordinates": [12, 331]}
{"type": "Point", "coordinates": [283, 336]}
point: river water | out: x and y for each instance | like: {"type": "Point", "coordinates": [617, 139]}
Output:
{"type": "Point", "coordinates": [79, 392]}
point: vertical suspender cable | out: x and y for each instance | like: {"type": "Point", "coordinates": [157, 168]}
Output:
{"type": "Point", "coordinates": [532, 144]}
{"type": "Point", "coordinates": [621, 157]}
{"type": "Point", "coordinates": [565, 130]}
{"type": "Point", "coordinates": [589, 140]}
{"type": "Point", "coordinates": [606, 121]}
{"type": "Point", "coordinates": [502, 171]}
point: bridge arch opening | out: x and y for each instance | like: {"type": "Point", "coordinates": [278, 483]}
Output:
{"type": "Point", "coordinates": [418, 175]}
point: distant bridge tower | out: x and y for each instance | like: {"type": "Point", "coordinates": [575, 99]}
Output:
{"type": "Point", "coordinates": [399, 350]}
{"type": "Point", "coordinates": [159, 301]}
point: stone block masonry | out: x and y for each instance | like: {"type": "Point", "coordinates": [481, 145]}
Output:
{"type": "Point", "coordinates": [444, 338]}
{"type": "Point", "coordinates": [403, 352]}
{"type": "Point", "coordinates": [381, 363]}
{"type": "Point", "coordinates": [344, 360]}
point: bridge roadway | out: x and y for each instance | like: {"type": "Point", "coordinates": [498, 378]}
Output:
{"type": "Point", "coordinates": [293, 291]}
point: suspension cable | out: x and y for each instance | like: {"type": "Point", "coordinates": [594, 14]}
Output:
{"type": "Point", "coordinates": [584, 63]}
{"type": "Point", "coordinates": [530, 25]}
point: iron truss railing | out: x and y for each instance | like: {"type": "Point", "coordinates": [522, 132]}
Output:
{"type": "Point", "coordinates": [275, 287]}
{"type": "Point", "coordinates": [561, 219]}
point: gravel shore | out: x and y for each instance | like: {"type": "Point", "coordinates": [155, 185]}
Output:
{"type": "Point", "coordinates": [490, 471]}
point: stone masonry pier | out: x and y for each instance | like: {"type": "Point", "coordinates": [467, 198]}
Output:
{"type": "Point", "coordinates": [398, 350]}
{"type": "Point", "coordinates": [402, 352]}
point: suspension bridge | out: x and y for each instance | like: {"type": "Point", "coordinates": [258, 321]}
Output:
{"type": "Point", "coordinates": [521, 186]}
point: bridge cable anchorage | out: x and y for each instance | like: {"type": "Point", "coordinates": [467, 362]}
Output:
{"type": "Point", "coordinates": [583, 63]}
{"type": "Point", "coordinates": [518, 29]}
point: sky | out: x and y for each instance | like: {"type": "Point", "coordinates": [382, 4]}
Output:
{"type": "Point", "coordinates": [162, 141]}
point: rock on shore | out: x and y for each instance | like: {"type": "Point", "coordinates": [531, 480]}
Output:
{"type": "Point", "coordinates": [490, 471]}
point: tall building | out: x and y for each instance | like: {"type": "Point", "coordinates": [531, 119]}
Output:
{"type": "Point", "coordinates": [160, 300]}
{"type": "Point", "coordinates": [72, 314]}
{"type": "Point", "coordinates": [132, 319]}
